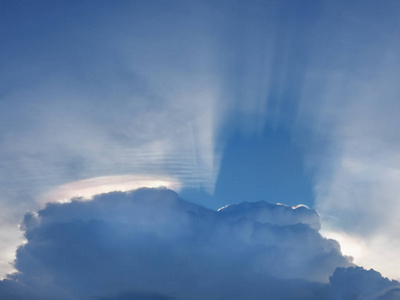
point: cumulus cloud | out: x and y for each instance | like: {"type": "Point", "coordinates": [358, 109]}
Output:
{"type": "Point", "coordinates": [150, 244]}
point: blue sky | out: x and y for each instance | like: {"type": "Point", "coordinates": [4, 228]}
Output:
{"type": "Point", "coordinates": [292, 102]}
{"type": "Point", "coordinates": [266, 167]}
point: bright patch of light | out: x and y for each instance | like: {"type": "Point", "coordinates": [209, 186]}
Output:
{"type": "Point", "coordinates": [300, 205]}
{"type": "Point", "coordinates": [86, 189]}
{"type": "Point", "coordinates": [349, 245]}
{"type": "Point", "coordinates": [293, 207]}
{"type": "Point", "coordinates": [373, 252]}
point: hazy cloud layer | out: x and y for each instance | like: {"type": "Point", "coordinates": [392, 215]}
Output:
{"type": "Point", "coordinates": [350, 103]}
{"type": "Point", "coordinates": [150, 244]}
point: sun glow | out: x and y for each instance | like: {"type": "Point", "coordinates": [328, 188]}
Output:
{"type": "Point", "coordinates": [349, 245]}
{"type": "Point", "coordinates": [86, 189]}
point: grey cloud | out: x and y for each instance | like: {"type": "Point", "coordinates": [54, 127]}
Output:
{"type": "Point", "coordinates": [391, 294]}
{"type": "Point", "coordinates": [150, 244]}
{"type": "Point", "coordinates": [358, 283]}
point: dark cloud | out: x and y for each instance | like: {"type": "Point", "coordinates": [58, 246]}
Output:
{"type": "Point", "coordinates": [150, 244]}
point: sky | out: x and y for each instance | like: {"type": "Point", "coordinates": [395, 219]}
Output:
{"type": "Point", "coordinates": [223, 102]}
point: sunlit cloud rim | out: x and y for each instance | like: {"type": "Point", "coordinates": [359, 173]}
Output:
{"type": "Point", "coordinates": [84, 190]}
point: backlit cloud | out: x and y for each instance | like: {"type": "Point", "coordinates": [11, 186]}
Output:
{"type": "Point", "coordinates": [150, 244]}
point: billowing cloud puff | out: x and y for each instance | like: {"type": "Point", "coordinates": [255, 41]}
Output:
{"type": "Point", "coordinates": [150, 244]}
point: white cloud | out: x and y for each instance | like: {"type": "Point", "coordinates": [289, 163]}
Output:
{"type": "Point", "coordinates": [150, 242]}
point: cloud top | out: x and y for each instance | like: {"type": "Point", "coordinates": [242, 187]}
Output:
{"type": "Point", "coordinates": [279, 214]}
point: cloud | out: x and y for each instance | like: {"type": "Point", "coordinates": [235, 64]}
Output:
{"type": "Point", "coordinates": [350, 104]}
{"type": "Point", "coordinates": [85, 189]}
{"type": "Point", "coordinates": [115, 91]}
{"type": "Point", "coordinates": [357, 283]}
{"type": "Point", "coordinates": [152, 89]}
{"type": "Point", "coordinates": [150, 244]}
{"type": "Point", "coordinates": [279, 214]}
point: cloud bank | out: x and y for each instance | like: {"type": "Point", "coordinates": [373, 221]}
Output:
{"type": "Point", "coordinates": [150, 244]}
